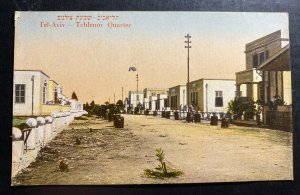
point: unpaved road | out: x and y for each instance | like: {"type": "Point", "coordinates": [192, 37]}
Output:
{"type": "Point", "coordinates": [119, 156]}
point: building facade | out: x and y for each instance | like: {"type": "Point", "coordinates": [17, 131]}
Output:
{"type": "Point", "coordinates": [150, 92]}
{"type": "Point", "coordinates": [32, 94]}
{"type": "Point", "coordinates": [177, 97]}
{"type": "Point", "coordinates": [249, 81]}
{"type": "Point", "coordinates": [134, 98]}
{"type": "Point", "coordinates": [52, 92]}
{"type": "Point", "coordinates": [211, 95]}
{"type": "Point", "coordinates": [277, 90]}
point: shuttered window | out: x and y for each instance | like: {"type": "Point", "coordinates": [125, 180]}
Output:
{"type": "Point", "coordinates": [20, 93]}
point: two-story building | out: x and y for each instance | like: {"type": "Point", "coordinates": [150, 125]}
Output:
{"type": "Point", "coordinates": [249, 81]}
{"type": "Point", "coordinates": [211, 95]}
{"type": "Point", "coordinates": [276, 84]}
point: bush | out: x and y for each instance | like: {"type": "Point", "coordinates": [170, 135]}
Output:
{"type": "Point", "coordinates": [238, 107]}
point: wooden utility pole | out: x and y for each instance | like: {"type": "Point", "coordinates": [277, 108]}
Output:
{"type": "Point", "coordinates": [188, 69]}
{"type": "Point", "coordinates": [122, 94]}
{"type": "Point", "coordinates": [137, 83]}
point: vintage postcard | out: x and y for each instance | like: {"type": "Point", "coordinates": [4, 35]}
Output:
{"type": "Point", "coordinates": [131, 97]}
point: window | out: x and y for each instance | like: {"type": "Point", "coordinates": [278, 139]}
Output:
{"type": "Point", "coordinates": [194, 98]}
{"type": "Point", "coordinates": [259, 58]}
{"type": "Point", "coordinates": [20, 93]}
{"type": "Point", "coordinates": [255, 60]}
{"type": "Point", "coordinates": [173, 101]}
{"type": "Point", "coordinates": [44, 92]}
{"type": "Point", "coordinates": [137, 97]}
{"type": "Point", "coordinates": [55, 95]}
{"type": "Point", "coordinates": [219, 99]}
{"type": "Point", "coordinates": [166, 103]}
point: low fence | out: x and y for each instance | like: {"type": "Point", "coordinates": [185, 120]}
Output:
{"type": "Point", "coordinates": [183, 114]}
{"type": "Point", "coordinates": [279, 119]}
{"type": "Point", "coordinates": [28, 142]}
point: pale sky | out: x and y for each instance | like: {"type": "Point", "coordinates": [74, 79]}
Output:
{"type": "Point", "coordinates": [94, 62]}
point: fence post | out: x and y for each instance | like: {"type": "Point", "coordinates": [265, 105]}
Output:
{"type": "Point", "coordinates": [29, 137]}
{"type": "Point", "coordinates": [40, 132]}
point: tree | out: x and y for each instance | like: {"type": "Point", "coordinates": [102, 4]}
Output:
{"type": "Point", "coordinates": [86, 106]}
{"type": "Point", "coordinates": [119, 104]}
{"type": "Point", "coordinates": [239, 108]}
{"type": "Point", "coordinates": [74, 96]}
{"type": "Point", "coordinates": [92, 104]}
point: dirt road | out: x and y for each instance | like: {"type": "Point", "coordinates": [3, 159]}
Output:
{"type": "Point", "coordinates": [204, 153]}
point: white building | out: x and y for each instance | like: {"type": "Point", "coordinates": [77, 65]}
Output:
{"type": "Point", "coordinates": [162, 102]}
{"type": "Point", "coordinates": [135, 98]}
{"type": "Point", "coordinates": [30, 92]}
{"type": "Point", "coordinates": [34, 94]}
{"type": "Point", "coordinates": [149, 92]}
{"type": "Point", "coordinates": [76, 105]}
{"type": "Point", "coordinates": [211, 95]}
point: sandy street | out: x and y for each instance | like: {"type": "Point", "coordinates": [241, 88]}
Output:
{"type": "Point", "coordinates": [203, 153]}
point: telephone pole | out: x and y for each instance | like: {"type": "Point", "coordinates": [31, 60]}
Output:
{"type": "Point", "coordinates": [122, 93]}
{"type": "Point", "coordinates": [114, 98]}
{"type": "Point", "coordinates": [188, 68]}
{"type": "Point", "coordinates": [137, 83]}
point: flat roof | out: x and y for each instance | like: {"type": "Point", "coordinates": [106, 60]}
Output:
{"type": "Point", "coordinates": [178, 86]}
{"type": "Point", "coordinates": [213, 79]}
{"type": "Point", "coordinates": [54, 81]}
{"type": "Point", "coordinates": [34, 71]}
{"type": "Point", "coordinates": [158, 89]}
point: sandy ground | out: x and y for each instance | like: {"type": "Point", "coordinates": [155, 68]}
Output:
{"type": "Point", "coordinates": [204, 153]}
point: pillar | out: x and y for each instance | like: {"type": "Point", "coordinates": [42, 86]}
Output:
{"type": "Point", "coordinates": [29, 137]}
{"type": "Point", "coordinates": [48, 129]}
{"type": "Point", "coordinates": [40, 132]}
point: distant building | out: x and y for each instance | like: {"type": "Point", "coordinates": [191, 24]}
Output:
{"type": "Point", "coordinates": [177, 97]}
{"type": "Point", "coordinates": [134, 98]}
{"type": "Point", "coordinates": [32, 94]}
{"type": "Point", "coordinates": [149, 92]}
{"type": "Point", "coordinates": [162, 101]}
{"type": "Point", "coordinates": [249, 81]}
{"type": "Point", "coordinates": [211, 95]}
{"type": "Point", "coordinates": [52, 92]}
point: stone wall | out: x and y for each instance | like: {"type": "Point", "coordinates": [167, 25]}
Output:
{"type": "Point", "coordinates": [280, 118]}
{"type": "Point", "coordinates": [28, 142]}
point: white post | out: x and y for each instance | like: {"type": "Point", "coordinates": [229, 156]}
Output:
{"type": "Point", "coordinates": [41, 132]}
{"type": "Point", "coordinates": [30, 135]}
{"type": "Point", "coordinates": [48, 129]}
{"type": "Point", "coordinates": [17, 145]}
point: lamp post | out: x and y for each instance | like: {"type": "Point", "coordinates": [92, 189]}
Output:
{"type": "Point", "coordinates": [188, 68]}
